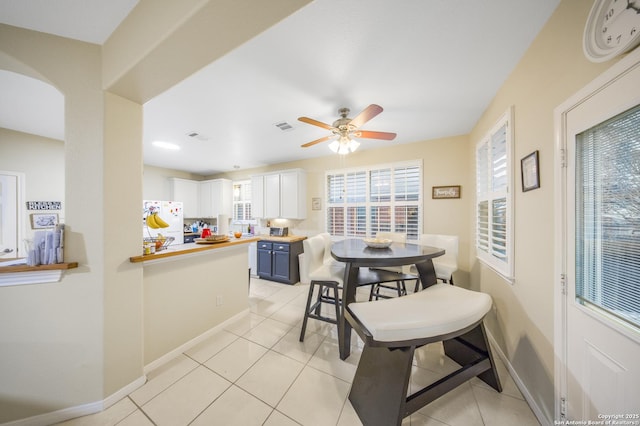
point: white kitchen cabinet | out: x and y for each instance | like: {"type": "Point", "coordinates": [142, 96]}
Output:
{"type": "Point", "coordinates": [293, 190]}
{"type": "Point", "coordinates": [257, 196]}
{"type": "Point", "coordinates": [272, 195]}
{"type": "Point", "coordinates": [215, 198]}
{"type": "Point", "coordinates": [279, 195]}
{"type": "Point", "coordinates": [186, 191]}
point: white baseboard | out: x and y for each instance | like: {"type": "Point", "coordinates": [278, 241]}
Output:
{"type": "Point", "coordinates": [519, 383]}
{"type": "Point", "coordinates": [79, 410]}
{"type": "Point", "coordinates": [117, 396]}
{"type": "Point", "coordinates": [191, 343]}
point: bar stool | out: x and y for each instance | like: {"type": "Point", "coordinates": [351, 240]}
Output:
{"type": "Point", "coordinates": [327, 277]}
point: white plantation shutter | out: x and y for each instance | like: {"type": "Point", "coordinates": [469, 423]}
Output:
{"type": "Point", "coordinates": [356, 221]}
{"type": "Point", "coordinates": [482, 232]}
{"type": "Point", "coordinates": [407, 183]}
{"type": "Point", "coordinates": [380, 219]}
{"type": "Point", "coordinates": [608, 217]}
{"type": "Point", "coordinates": [363, 202]}
{"type": "Point", "coordinates": [356, 189]}
{"type": "Point", "coordinates": [493, 197]}
{"type": "Point", "coordinates": [407, 190]}
{"type": "Point", "coordinates": [380, 185]}
{"type": "Point", "coordinates": [335, 185]}
{"type": "Point", "coordinates": [406, 221]}
{"type": "Point", "coordinates": [242, 201]}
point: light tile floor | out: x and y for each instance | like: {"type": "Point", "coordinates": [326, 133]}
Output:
{"type": "Point", "coordinates": [256, 372]}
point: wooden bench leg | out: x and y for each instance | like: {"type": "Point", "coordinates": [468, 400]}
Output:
{"type": "Point", "coordinates": [379, 389]}
{"type": "Point", "coordinates": [470, 347]}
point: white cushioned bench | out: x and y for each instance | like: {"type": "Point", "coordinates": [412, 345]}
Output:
{"type": "Point", "coordinates": [437, 310]}
{"type": "Point", "coordinates": [393, 328]}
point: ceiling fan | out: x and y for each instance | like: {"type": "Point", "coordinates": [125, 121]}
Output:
{"type": "Point", "coordinates": [345, 128]}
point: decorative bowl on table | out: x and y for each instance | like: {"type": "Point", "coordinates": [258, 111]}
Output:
{"type": "Point", "coordinates": [377, 242]}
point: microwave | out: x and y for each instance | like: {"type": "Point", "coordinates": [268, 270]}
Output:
{"type": "Point", "coordinates": [279, 232]}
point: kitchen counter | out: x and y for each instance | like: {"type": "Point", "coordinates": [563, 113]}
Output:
{"type": "Point", "coordinates": [189, 248]}
{"type": "Point", "coordinates": [191, 290]}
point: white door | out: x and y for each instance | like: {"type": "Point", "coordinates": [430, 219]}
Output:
{"type": "Point", "coordinates": [601, 227]}
{"type": "Point", "coordinates": [8, 216]}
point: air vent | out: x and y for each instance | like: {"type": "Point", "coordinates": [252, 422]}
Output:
{"type": "Point", "coordinates": [284, 126]}
{"type": "Point", "coordinates": [198, 136]}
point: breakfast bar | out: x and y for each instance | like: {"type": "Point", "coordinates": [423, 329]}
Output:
{"type": "Point", "coordinates": [190, 291]}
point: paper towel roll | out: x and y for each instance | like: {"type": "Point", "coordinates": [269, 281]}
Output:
{"type": "Point", "coordinates": [223, 224]}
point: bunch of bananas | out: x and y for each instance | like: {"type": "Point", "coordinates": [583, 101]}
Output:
{"type": "Point", "coordinates": [154, 221]}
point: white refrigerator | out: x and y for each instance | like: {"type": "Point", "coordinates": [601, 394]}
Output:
{"type": "Point", "coordinates": [170, 212]}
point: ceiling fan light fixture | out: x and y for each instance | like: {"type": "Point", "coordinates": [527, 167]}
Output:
{"type": "Point", "coordinates": [345, 127]}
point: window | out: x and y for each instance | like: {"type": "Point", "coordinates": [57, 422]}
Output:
{"type": "Point", "coordinates": [242, 202]}
{"type": "Point", "coordinates": [362, 202]}
{"type": "Point", "coordinates": [608, 217]}
{"type": "Point", "coordinates": [493, 197]}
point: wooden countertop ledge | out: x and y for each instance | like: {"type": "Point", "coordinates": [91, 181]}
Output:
{"type": "Point", "coordinates": [182, 249]}
{"type": "Point", "coordinates": [26, 268]}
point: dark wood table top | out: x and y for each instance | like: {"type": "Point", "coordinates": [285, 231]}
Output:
{"type": "Point", "coordinates": [356, 252]}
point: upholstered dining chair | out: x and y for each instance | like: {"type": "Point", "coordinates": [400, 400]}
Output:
{"type": "Point", "coordinates": [325, 274]}
{"type": "Point", "coordinates": [446, 264]}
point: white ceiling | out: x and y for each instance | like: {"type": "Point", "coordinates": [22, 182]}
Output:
{"type": "Point", "coordinates": [433, 65]}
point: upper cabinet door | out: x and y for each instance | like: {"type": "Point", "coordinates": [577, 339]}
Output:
{"type": "Point", "coordinates": [257, 196]}
{"type": "Point", "coordinates": [272, 196]}
{"type": "Point", "coordinates": [186, 191]}
{"type": "Point", "coordinates": [216, 198]}
{"type": "Point", "coordinates": [292, 195]}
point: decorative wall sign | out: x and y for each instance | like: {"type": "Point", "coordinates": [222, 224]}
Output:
{"type": "Point", "coordinates": [44, 220]}
{"type": "Point", "coordinates": [530, 172]}
{"type": "Point", "coordinates": [316, 204]}
{"type": "Point", "coordinates": [443, 192]}
{"type": "Point", "coordinates": [44, 205]}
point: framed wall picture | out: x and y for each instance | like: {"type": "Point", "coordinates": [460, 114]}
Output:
{"type": "Point", "coordinates": [530, 171]}
{"type": "Point", "coordinates": [43, 220]}
{"type": "Point", "coordinates": [316, 204]}
{"type": "Point", "coordinates": [443, 192]}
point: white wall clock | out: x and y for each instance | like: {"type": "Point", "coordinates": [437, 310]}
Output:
{"type": "Point", "coordinates": [613, 27]}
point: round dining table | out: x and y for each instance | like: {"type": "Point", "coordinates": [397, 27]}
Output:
{"type": "Point", "coordinates": [356, 254]}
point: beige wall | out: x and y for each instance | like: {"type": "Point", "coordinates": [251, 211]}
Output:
{"type": "Point", "coordinates": [52, 333]}
{"type": "Point", "coordinates": [42, 161]}
{"type": "Point", "coordinates": [552, 69]}
{"type": "Point", "coordinates": [156, 182]}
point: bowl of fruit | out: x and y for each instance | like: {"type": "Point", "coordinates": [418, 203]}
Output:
{"type": "Point", "coordinates": [160, 241]}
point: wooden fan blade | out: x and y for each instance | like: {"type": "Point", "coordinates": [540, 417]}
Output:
{"type": "Point", "coordinates": [308, 144]}
{"type": "Point", "coordinates": [368, 134]}
{"type": "Point", "coordinates": [315, 122]}
{"type": "Point", "coordinates": [367, 114]}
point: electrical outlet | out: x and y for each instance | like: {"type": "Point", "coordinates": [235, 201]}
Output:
{"type": "Point", "coordinates": [218, 300]}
